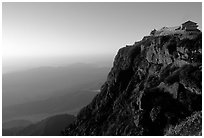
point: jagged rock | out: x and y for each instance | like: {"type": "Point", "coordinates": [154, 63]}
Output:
{"type": "Point", "coordinates": [153, 84]}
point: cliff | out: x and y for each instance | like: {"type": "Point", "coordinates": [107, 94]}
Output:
{"type": "Point", "coordinates": [153, 88]}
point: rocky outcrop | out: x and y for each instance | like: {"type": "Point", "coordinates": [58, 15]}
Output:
{"type": "Point", "coordinates": [153, 84]}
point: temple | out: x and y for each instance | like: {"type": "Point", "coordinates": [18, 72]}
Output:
{"type": "Point", "coordinates": [189, 26]}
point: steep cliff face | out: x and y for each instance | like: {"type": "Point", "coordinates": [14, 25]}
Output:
{"type": "Point", "coordinates": [153, 85]}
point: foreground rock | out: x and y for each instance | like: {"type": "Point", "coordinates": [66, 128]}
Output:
{"type": "Point", "coordinates": [192, 126]}
{"type": "Point", "coordinates": [153, 85]}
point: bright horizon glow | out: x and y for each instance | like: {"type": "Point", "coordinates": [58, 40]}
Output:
{"type": "Point", "coordinates": [76, 29]}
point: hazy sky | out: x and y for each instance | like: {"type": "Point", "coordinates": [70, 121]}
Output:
{"type": "Point", "coordinates": [73, 29]}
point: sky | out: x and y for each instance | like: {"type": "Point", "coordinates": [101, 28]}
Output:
{"type": "Point", "coordinates": [85, 29]}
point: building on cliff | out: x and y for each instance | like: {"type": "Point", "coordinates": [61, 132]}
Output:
{"type": "Point", "coordinates": [186, 28]}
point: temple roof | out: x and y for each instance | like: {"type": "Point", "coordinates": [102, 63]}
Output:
{"type": "Point", "coordinates": [189, 22]}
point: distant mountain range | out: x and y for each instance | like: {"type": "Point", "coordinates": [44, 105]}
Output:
{"type": "Point", "coordinates": [16, 123]}
{"type": "Point", "coordinates": [71, 102]}
{"type": "Point", "coordinates": [50, 90]}
{"type": "Point", "coordinates": [45, 82]}
{"type": "Point", "coordinates": [51, 126]}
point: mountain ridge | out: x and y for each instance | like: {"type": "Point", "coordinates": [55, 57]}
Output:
{"type": "Point", "coordinates": [50, 126]}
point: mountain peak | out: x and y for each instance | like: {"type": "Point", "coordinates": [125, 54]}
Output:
{"type": "Point", "coordinates": [153, 84]}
